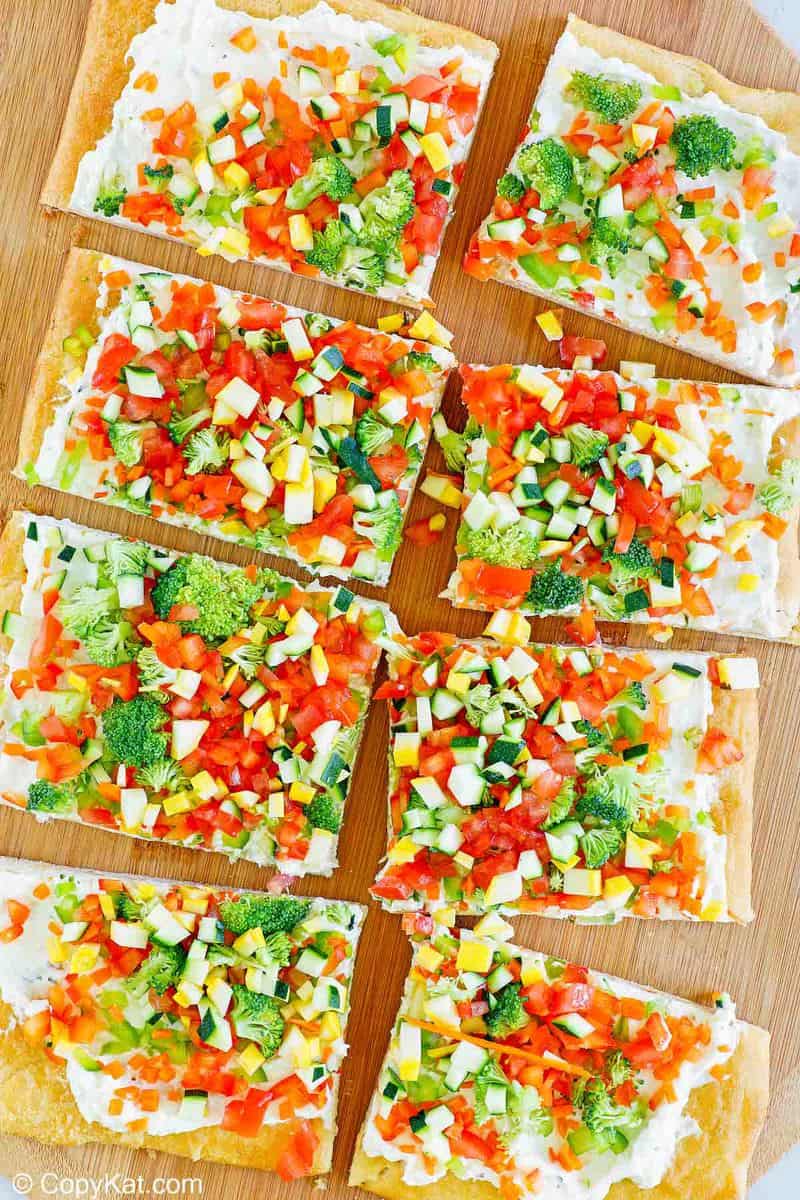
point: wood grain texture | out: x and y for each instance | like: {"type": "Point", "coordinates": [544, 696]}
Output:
{"type": "Point", "coordinates": [40, 44]}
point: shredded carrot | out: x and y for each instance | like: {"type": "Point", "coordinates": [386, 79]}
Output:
{"type": "Point", "coordinates": [498, 1047]}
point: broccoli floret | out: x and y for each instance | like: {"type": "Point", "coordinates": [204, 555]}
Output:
{"type": "Point", "coordinates": [50, 798]}
{"type": "Point", "coordinates": [164, 595]}
{"type": "Point", "coordinates": [328, 248]}
{"type": "Point", "coordinates": [608, 239]}
{"type": "Point", "coordinates": [205, 452]}
{"type": "Point", "coordinates": [180, 427]}
{"type": "Point", "coordinates": [507, 1014]}
{"type": "Point", "coordinates": [547, 165]}
{"type": "Point", "coordinates": [258, 1018]}
{"type": "Point", "coordinates": [164, 775]}
{"type": "Point", "coordinates": [618, 1069]}
{"type": "Point", "coordinates": [422, 360]}
{"type": "Point", "coordinates": [152, 672]}
{"type": "Point", "coordinates": [81, 611]}
{"type": "Point", "coordinates": [106, 642]}
{"type": "Point", "coordinates": [126, 558]}
{"type": "Point", "coordinates": [386, 211]}
{"type": "Point", "coordinates": [594, 737]}
{"type": "Point", "coordinates": [126, 441]}
{"type": "Point", "coordinates": [599, 845]}
{"type": "Point", "coordinates": [130, 728]}
{"type": "Point", "coordinates": [588, 445]}
{"type": "Point", "coordinates": [561, 804]}
{"type": "Point", "coordinates": [160, 970]}
{"type": "Point", "coordinates": [701, 144]}
{"type": "Point", "coordinates": [601, 1114]}
{"type": "Point", "coordinates": [611, 797]}
{"type": "Point", "coordinates": [277, 948]}
{"type": "Point", "coordinates": [383, 526]}
{"type": "Point", "coordinates": [524, 1112]}
{"type": "Point", "coordinates": [609, 606]}
{"type": "Point", "coordinates": [552, 590]}
{"type": "Point", "coordinates": [270, 537]}
{"type": "Point", "coordinates": [511, 547]}
{"type": "Point", "coordinates": [608, 232]}
{"type": "Point", "coordinates": [248, 657]}
{"type": "Point", "coordinates": [159, 177]}
{"type": "Point", "coordinates": [479, 702]}
{"type": "Point", "coordinates": [633, 564]}
{"type": "Point", "coordinates": [631, 696]}
{"type": "Point", "coordinates": [782, 490]}
{"type": "Point", "coordinates": [126, 907]}
{"type": "Point", "coordinates": [317, 325]}
{"type": "Point", "coordinates": [555, 878]}
{"type": "Point", "coordinates": [326, 176]}
{"type": "Point", "coordinates": [325, 812]}
{"type": "Point", "coordinates": [510, 187]}
{"type": "Point", "coordinates": [363, 267]}
{"type": "Point", "coordinates": [454, 445]}
{"type": "Point", "coordinates": [490, 1075]}
{"type": "Point", "coordinates": [222, 599]}
{"type": "Point", "coordinates": [371, 432]}
{"type": "Point", "coordinates": [272, 914]}
{"type": "Point", "coordinates": [612, 99]}
{"type": "Point", "coordinates": [110, 196]}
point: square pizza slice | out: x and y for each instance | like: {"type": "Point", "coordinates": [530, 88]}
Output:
{"type": "Point", "coordinates": [649, 191]}
{"type": "Point", "coordinates": [642, 499]}
{"type": "Point", "coordinates": [176, 699]}
{"type": "Point", "coordinates": [327, 138]}
{"type": "Point", "coordinates": [262, 424]}
{"type": "Point", "coordinates": [166, 1016]}
{"type": "Point", "coordinates": [513, 1074]}
{"type": "Point", "coordinates": [594, 783]}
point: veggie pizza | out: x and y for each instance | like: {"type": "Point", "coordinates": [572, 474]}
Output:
{"type": "Point", "coordinates": [174, 699]}
{"type": "Point", "coordinates": [638, 498]}
{"type": "Point", "coordinates": [652, 192]}
{"type": "Point", "coordinates": [328, 139]}
{"type": "Point", "coordinates": [262, 424]}
{"type": "Point", "coordinates": [194, 1020]}
{"type": "Point", "coordinates": [590, 783]}
{"type": "Point", "coordinates": [513, 1074]}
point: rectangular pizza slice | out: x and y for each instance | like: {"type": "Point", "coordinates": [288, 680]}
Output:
{"type": "Point", "coordinates": [324, 138]}
{"type": "Point", "coordinates": [644, 499]}
{"type": "Point", "coordinates": [517, 1075]}
{"type": "Point", "coordinates": [168, 1016]}
{"type": "Point", "coordinates": [176, 699]}
{"type": "Point", "coordinates": [594, 784]}
{"type": "Point", "coordinates": [259, 423]}
{"type": "Point", "coordinates": [649, 191]}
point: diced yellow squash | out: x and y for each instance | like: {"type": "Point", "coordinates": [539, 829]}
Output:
{"type": "Point", "coordinates": [510, 628]}
{"type": "Point", "coordinates": [474, 956]}
{"type": "Point", "coordinates": [301, 235]}
{"type": "Point", "coordinates": [436, 150]}
{"type": "Point", "coordinates": [392, 323]}
{"type": "Point", "coordinates": [428, 958]}
{"type": "Point", "coordinates": [403, 851]}
{"type": "Point", "coordinates": [236, 177]}
{"type": "Point", "coordinates": [441, 488]}
{"type": "Point", "coordinates": [301, 793]}
{"type": "Point", "coordinates": [236, 242]}
{"type": "Point", "coordinates": [405, 751]}
{"type": "Point", "coordinates": [550, 325]}
{"type": "Point", "coordinates": [251, 1058]}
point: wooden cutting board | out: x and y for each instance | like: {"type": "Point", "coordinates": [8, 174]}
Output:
{"type": "Point", "coordinates": [759, 965]}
